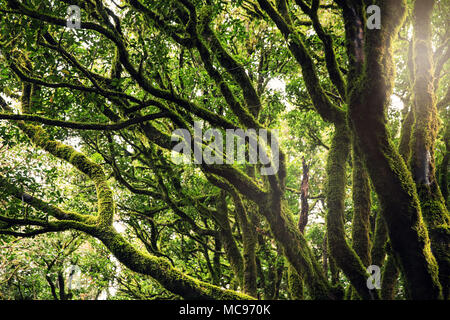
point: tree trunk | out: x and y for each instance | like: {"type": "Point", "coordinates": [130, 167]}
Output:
{"type": "Point", "coordinates": [361, 208]}
{"type": "Point", "coordinates": [424, 134]}
{"type": "Point", "coordinates": [303, 219]}
{"type": "Point", "coordinates": [389, 279]}
{"type": "Point", "coordinates": [393, 182]}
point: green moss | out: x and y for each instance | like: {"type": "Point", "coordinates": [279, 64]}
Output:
{"type": "Point", "coordinates": [235, 69]}
{"type": "Point", "coordinates": [162, 271]}
{"type": "Point", "coordinates": [295, 247]}
{"type": "Point", "coordinates": [345, 257]}
{"type": "Point", "coordinates": [361, 208]}
{"type": "Point", "coordinates": [389, 174]}
{"type": "Point", "coordinates": [378, 252]}
{"type": "Point", "coordinates": [389, 279]}
{"type": "Point", "coordinates": [233, 253]}
{"type": "Point", "coordinates": [295, 284]}
{"type": "Point", "coordinates": [80, 161]}
{"type": "Point", "coordinates": [424, 133]}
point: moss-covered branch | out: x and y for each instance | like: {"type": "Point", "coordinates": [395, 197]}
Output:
{"type": "Point", "coordinates": [321, 102]}
{"type": "Point", "coordinates": [229, 244]}
{"type": "Point", "coordinates": [106, 93]}
{"type": "Point", "coordinates": [424, 135]}
{"type": "Point", "coordinates": [104, 194]}
{"type": "Point", "coordinates": [393, 182]}
{"type": "Point", "coordinates": [81, 125]}
{"type": "Point", "coordinates": [389, 280]}
{"type": "Point", "coordinates": [296, 249]}
{"type": "Point", "coordinates": [345, 257]}
{"type": "Point", "coordinates": [333, 68]}
{"type": "Point", "coordinates": [161, 270]}
{"type": "Point", "coordinates": [12, 189]}
{"type": "Point", "coordinates": [235, 69]}
{"type": "Point", "coordinates": [378, 252]}
{"type": "Point", "coordinates": [361, 208]}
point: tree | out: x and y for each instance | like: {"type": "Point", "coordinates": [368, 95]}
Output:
{"type": "Point", "coordinates": [134, 73]}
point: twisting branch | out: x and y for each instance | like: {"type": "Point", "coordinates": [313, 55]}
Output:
{"type": "Point", "coordinates": [98, 90]}
{"type": "Point", "coordinates": [330, 56]}
{"type": "Point", "coordinates": [82, 125]}
{"type": "Point", "coordinates": [80, 161]}
{"type": "Point", "coordinates": [322, 103]}
{"type": "Point", "coordinates": [40, 205]}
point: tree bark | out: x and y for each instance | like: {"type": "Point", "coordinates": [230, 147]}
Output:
{"type": "Point", "coordinates": [393, 182]}
{"type": "Point", "coordinates": [345, 257]}
{"type": "Point", "coordinates": [424, 134]}
{"type": "Point", "coordinates": [303, 219]}
{"type": "Point", "coordinates": [389, 279]}
{"type": "Point", "coordinates": [361, 208]}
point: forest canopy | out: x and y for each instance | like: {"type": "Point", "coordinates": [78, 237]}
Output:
{"type": "Point", "coordinates": [224, 149]}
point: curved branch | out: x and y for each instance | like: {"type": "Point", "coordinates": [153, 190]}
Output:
{"type": "Point", "coordinates": [23, 9]}
{"type": "Point", "coordinates": [97, 89]}
{"type": "Point", "coordinates": [38, 204]}
{"type": "Point", "coordinates": [82, 125]}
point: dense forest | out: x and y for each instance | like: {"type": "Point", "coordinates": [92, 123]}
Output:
{"type": "Point", "coordinates": [224, 149]}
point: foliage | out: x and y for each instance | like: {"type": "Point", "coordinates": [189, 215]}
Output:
{"type": "Point", "coordinates": [87, 177]}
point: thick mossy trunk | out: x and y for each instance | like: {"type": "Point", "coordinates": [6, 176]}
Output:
{"type": "Point", "coordinates": [424, 134]}
{"type": "Point", "coordinates": [334, 270]}
{"type": "Point", "coordinates": [401, 210]}
{"type": "Point", "coordinates": [249, 241]}
{"type": "Point", "coordinates": [303, 218]}
{"type": "Point", "coordinates": [345, 257]}
{"type": "Point", "coordinates": [368, 99]}
{"type": "Point", "coordinates": [361, 211]}
{"type": "Point", "coordinates": [444, 167]}
{"type": "Point", "coordinates": [404, 147]}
